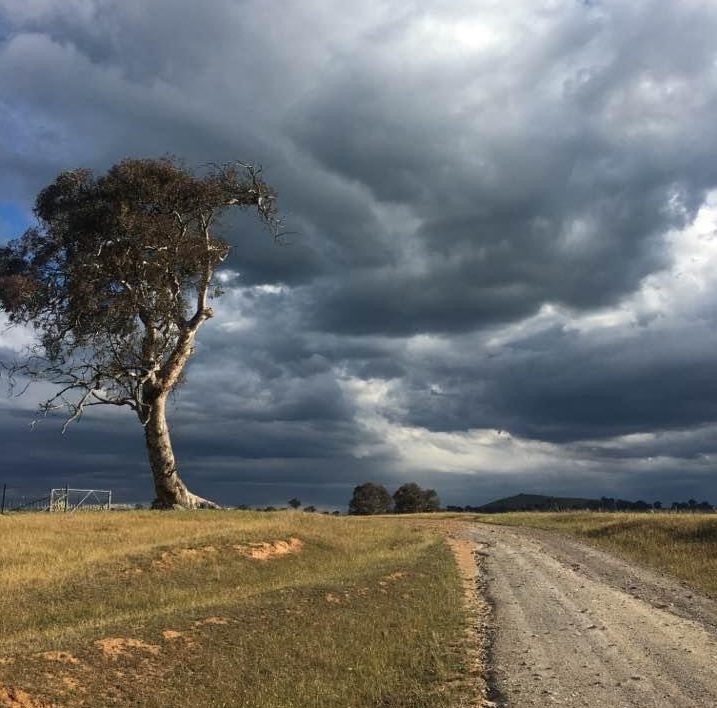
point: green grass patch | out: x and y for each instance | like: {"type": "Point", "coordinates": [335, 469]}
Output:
{"type": "Point", "coordinates": [683, 545]}
{"type": "Point", "coordinates": [154, 609]}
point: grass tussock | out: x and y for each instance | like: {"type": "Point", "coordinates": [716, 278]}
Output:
{"type": "Point", "coordinates": [683, 545]}
{"type": "Point", "coordinates": [153, 609]}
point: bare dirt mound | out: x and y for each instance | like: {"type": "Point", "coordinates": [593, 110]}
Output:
{"type": "Point", "coordinates": [261, 551]}
{"type": "Point", "coordinates": [17, 698]}
{"type": "Point", "coordinates": [211, 620]}
{"type": "Point", "coordinates": [62, 657]}
{"type": "Point", "coordinates": [114, 647]}
{"type": "Point", "coordinates": [117, 659]}
{"type": "Point", "coordinates": [265, 550]}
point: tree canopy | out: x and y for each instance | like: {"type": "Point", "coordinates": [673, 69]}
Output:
{"type": "Point", "coordinates": [370, 498]}
{"type": "Point", "coordinates": [409, 498]}
{"type": "Point", "coordinates": [116, 280]}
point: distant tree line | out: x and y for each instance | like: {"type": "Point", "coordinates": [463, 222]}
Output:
{"type": "Point", "coordinates": [370, 498]}
{"type": "Point", "coordinates": [610, 504]}
{"type": "Point", "coordinates": [691, 505]}
{"type": "Point", "coordinates": [602, 504]}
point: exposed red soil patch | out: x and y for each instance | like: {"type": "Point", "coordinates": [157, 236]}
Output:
{"type": "Point", "coordinates": [114, 647]}
{"type": "Point", "coordinates": [270, 549]}
{"type": "Point", "coordinates": [11, 697]}
{"type": "Point", "coordinates": [397, 575]}
{"type": "Point", "coordinates": [172, 635]}
{"type": "Point", "coordinates": [211, 620]}
{"type": "Point", "coordinates": [62, 657]}
{"type": "Point", "coordinates": [71, 684]}
{"type": "Point", "coordinates": [392, 578]}
{"type": "Point", "coordinates": [465, 552]}
{"type": "Point", "coordinates": [262, 551]}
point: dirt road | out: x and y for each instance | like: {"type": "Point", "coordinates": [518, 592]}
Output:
{"type": "Point", "coordinates": [573, 626]}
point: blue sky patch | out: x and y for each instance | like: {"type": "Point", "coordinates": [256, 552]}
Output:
{"type": "Point", "coordinates": [13, 220]}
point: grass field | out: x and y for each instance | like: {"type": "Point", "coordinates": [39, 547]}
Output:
{"type": "Point", "coordinates": [180, 609]}
{"type": "Point", "coordinates": [684, 545]}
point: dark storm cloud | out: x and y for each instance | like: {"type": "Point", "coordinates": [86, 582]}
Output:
{"type": "Point", "coordinates": [561, 385]}
{"type": "Point", "coordinates": [233, 461]}
{"type": "Point", "coordinates": [543, 169]}
{"type": "Point", "coordinates": [667, 485]}
{"type": "Point", "coordinates": [447, 171]}
{"type": "Point", "coordinates": [544, 174]}
{"type": "Point", "coordinates": [97, 454]}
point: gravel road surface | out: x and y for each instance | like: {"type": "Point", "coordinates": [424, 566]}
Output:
{"type": "Point", "coordinates": [574, 626]}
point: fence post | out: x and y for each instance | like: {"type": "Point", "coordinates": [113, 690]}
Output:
{"type": "Point", "coordinates": [67, 492]}
{"type": "Point", "coordinates": [2, 504]}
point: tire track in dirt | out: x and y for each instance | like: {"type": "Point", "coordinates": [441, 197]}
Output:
{"type": "Point", "coordinates": [563, 634]}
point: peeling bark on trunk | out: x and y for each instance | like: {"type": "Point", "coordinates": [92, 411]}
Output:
{"type": "Point", "coordinates": [170, 489]}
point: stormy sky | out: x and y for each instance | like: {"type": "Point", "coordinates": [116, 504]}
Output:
{"type": "Point", "coordinates": [503, 275]}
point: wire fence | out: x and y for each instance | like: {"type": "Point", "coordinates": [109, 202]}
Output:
{"type": "Point", "coordinates": [10, 501]}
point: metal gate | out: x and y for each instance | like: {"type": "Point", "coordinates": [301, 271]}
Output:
{"type": "Point", "coordinates": [69, 500]}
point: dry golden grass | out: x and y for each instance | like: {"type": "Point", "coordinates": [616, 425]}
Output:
{"type": "Point", "coordinates": [158, 609]}
{"type": "Point", "coordinates": [684, 545]}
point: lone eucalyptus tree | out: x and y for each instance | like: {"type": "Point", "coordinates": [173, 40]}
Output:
{"type": "Point", "coordinates": [116, 280]}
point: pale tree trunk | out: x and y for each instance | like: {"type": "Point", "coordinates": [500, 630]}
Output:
{"type": "Point", "coordinates": [170, 489]}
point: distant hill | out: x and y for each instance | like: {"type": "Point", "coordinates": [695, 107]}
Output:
{"type": "Point", "coordinates": [541, 502]}
{"type": "Point", "coordinates": [537, 502]}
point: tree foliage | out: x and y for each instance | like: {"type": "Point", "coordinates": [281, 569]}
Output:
{"type": "Point", "coordinates": [409, 498]}
{"type": "Point", "coordinates": [370, 498]}
{"type": "Point", "coordinates": [116, 280]}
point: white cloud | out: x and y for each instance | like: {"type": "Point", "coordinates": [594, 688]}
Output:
{"type": "Point", "coordinates": [13, 337]}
